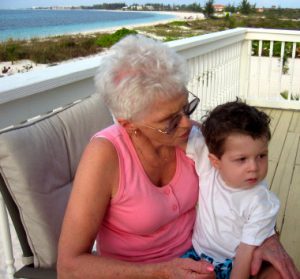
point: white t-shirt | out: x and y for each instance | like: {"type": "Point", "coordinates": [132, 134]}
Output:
{"type": "Point", "coordinates": [227, 216]}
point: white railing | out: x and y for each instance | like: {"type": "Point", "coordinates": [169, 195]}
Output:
{"type": "Point", "coordinates": [26, 95]}
{"type": "Point", "coordinates": [222, 66]}
{"type": "Point", "coordinates": [275, 70]}
{"type": "Point", "coordinates": [226, 65]}
{"type": "Point", "coordinates": [215, 65]}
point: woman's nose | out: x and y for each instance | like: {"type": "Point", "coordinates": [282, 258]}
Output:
{"type": "Point", "coordinates": [185, 121]}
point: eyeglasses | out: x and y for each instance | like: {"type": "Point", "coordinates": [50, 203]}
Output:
{"type": "Point", "coordinates": [187, 110]}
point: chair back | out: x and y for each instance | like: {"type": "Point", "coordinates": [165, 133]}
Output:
{"type": "Point", "coordinates": [38, 161]}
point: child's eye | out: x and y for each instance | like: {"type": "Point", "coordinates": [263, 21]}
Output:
{"type": "Point", "coordinates": [242, 159]}
{"type": "Point", "coordinates": [262, 156]}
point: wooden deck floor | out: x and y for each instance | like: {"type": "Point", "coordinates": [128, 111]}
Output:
{"type": "Point", "coordinates": [284, 176]}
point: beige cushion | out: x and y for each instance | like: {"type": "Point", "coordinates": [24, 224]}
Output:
{"type": "Point", "coordinates": [38, 163]}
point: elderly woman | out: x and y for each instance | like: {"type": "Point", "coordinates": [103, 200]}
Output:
{"type": "Point", "coordinates": [135, 191]}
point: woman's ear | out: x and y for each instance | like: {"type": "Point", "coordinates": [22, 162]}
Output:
{"type": "Point", "coordinates": [214, 160]}
{"type": "Point", "coordinates": [127, 125]}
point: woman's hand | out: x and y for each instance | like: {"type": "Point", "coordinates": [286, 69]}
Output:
{"type": "Point", "coordinates": [188, 269]}
{"type": "Point", "coordinates": [273, 252]}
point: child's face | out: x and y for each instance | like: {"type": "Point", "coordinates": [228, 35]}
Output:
{"type": "Point", "coordinates": [244, 162]}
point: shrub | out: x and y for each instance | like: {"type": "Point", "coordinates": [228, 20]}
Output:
{"type": "Point", "coordinates": [49, 50]}
{"type": "Point", "coordinates": [12, 50]}
{"type": "Point", "coordinates": [178, 23]}
{"type": "Point", "coordinates": [107, 40]}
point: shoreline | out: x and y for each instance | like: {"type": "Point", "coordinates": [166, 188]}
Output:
{"type": "Point", "coordinates": [23, 66]}
{"type": "Point", "coordinates": [177, 16]}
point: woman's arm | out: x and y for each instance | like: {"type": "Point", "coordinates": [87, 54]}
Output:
{"type": "Point", "coordinates": [242, 261]}
{"type": "Point", "coordinates": [94, 185]}
{"type": "Point", "coordinates": [273, 252]}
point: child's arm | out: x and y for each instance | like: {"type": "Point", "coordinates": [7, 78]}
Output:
{"type": "Point", "coordinates": [242, 261]}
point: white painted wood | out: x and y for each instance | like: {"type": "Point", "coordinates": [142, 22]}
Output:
{"type": "Point", "coordinates": [199, 45]}
{"type": "Point", "coordinates": [259, 67]}
{"type": "Point", "coordinates": [25, 84]}
{"type": "Point", "coordinates": [291, 93]}
{"type": "Point", "coordinates": [281, 66]}
{"type": "Point", "coordinates": [222, 69]}
{"type": "Point", "coordinates": [270, 65]}
{"type": "Point", "coordinates": [272, 34]}
{"type": "Point", "coordinates": [6, 240]}
{"type": "Point", "coordinates": [274, 104]}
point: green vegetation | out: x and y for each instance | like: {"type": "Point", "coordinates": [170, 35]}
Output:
{"type": "Point", "coordinates": [182, 29]}
{"type": "Point", "coordinates": [245, 7]}
{"type": "Point", "coordinates": [56, 49]}
{"type": "Point", "coordinates": [60, 48]}
{"type": "Point", "coordinates": [209, 9]}
{"type": "Point", "coordinates": [288, 48]}
{"type": "Point", "coordinates": [230, 8]}
{"type": "Point", "coordinates": [172, 31]}
{"type": "Point", "coordinates": [282, 13]}
{"type": "Point", "coordinates": [48, 50]}
{"type": "Point", "coordinates": [194, 7]}
{"type": "Point", "coordinates": [285, 95]}
{"type": "Point", "coordinates": [276, 48]}
{"type": "Point", "coordinates": [107, 40]}
{"type": "Point", "coordinates": [105, 6]}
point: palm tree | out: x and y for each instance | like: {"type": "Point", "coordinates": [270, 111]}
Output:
{"type": "Point", "coordinates": [245, 7]}
{"type": "Point", "coordinates": [209, 9]}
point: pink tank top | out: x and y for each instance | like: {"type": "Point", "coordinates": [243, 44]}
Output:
{"type": "Point", "coordinates": [146, 223]}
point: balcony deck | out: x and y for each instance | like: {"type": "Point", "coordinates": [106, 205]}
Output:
{"type": "Point", "coordinates": [284, 175]}
{"type": "Point", "coordinates": [222, 66]}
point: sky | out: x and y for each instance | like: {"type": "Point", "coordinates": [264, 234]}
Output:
{"type": "Point", "coordinates": [15, 4]}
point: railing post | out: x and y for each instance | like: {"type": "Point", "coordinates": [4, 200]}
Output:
{"type": "Point", "coordinates": [244, 69]}
{"type": "Point", "coordinates": [6, 240]}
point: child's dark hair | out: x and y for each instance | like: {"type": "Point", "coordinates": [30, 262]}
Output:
{"type": "Point", "coordinates": [230, 118]}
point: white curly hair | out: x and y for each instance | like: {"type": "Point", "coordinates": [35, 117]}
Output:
{"type": "Point", "coordinates": [136, 72]}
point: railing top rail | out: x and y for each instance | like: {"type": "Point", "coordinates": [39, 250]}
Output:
{"type": "Point", "coordinates": [272, 34]}
{"type": "Point", "coordinates": [22, 85]}
{"type": "Point", "coordinates": [206, 39]}
{"type": "Point", "coordinates": [199, 45]}
{"type": "Point", "coordinates": [27, 84]}
{"type": "Point", "coordinates": [30, 83]}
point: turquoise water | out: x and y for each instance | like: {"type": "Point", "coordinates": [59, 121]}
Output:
{"type": "Point", "coordinates": [25, 24]}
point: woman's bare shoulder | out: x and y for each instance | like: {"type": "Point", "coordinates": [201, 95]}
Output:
{"type": "Point", "coordinates": [100, 150]}
{"type": "Point", "coordinates": [99, 166]}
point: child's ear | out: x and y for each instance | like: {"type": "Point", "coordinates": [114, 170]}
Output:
{"type": "Point", "coordinates": [214, 160]}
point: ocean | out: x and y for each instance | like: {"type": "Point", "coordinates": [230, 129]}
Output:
{"type": "Point", "coordinates": [26, 24]}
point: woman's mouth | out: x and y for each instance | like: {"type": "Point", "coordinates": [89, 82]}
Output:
{"type": "Point", "coordinates": [186, 134]}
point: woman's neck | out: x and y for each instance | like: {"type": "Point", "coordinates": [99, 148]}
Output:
{"type": "Point", "coordinates": [152, 152]}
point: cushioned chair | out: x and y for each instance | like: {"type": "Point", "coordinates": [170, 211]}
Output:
{"type": "Point", "coordinates": [38, 160]}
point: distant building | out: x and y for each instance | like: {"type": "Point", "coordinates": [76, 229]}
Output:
{"type": "Point", "coordinates": [219, 8]}
{"type": "Point", "coordinates": [137, 7]}
{"type": "Point", "coordinates": [260, 10]}
{"type": "Point", "coordinates": [149, 7]}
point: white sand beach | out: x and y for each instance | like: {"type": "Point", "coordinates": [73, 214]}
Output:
{"type": "Point", "coordinates": [178, 16]}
